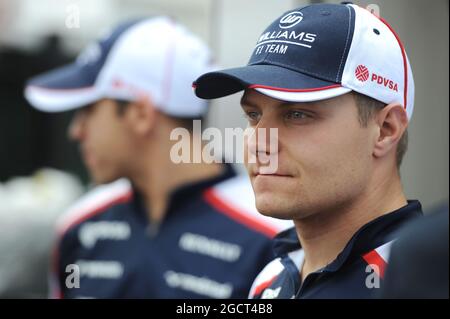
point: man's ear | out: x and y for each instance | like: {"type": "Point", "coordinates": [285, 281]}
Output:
{"type": "Point", "coordinates": [392, 122]}
{"type": "Point", "coordinates": [141, 116]}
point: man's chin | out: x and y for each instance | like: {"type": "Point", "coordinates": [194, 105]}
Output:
{"type": "Point", "coordinates": [272, 207]}
{"type": "Point", "coordinates": [99, 179]}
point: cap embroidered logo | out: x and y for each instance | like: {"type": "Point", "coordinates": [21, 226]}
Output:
{"type": "Point", "coordinates": [290, 19]}
{"type": "Point", "coordinates": [90, 55]}
{"type": "Point", "coordinates": [362, 73]}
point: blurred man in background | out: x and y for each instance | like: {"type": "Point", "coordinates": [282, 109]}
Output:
{"type": "Point", "coordinates": [169, 230]}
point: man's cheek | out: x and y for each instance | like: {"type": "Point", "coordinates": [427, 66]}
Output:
{"type": "Point", "coordinates": [249, 156]}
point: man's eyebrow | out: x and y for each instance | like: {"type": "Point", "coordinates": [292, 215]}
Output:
{"type": "Point", "coordinates": [247, 102]}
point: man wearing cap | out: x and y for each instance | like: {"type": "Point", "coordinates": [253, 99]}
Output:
{"type": "Point", "coordinates": [335, 82]}
{"type": "Point", "coordinates": [169, 230]}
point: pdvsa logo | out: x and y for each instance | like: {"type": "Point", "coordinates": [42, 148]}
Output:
{"type": "Point", "coordinates": [291, 19]}
{"type": "Point", "coordinates": [362, 74]}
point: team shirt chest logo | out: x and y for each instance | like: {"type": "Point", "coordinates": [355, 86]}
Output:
{"type": "Point", "coordinates": [199, 244]}
{"type": "Point", "coordinates": [91, 232]}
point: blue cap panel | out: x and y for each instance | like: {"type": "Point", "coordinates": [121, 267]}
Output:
{"type": "Point", "coordinates": [84, 72]}
{"type": "Point", "coordinates": [216, 84]}
{"type": "Point", "coordinates": [313, 40]}
{"type": "Point", "coordinates": [66, 77]}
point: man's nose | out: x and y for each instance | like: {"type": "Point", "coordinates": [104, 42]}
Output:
{"type": "Point", "coordinates": [262, 139]}
{"type": "Point", "coordinates": [76, 127]}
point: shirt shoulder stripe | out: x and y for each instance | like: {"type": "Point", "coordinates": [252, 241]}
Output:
{"type": "Point", "coordinates": [261, 287]}
{"type": "Point", "coordinates": [96, 201]}
{"type": "Point", "coordinates": [266, 277]}
{"type": "Point", "coordinates": [385, 250]}
{"type": "Point", "coordinates": [378, 258]}
{"type": "Point", "coordinates": [235, 198]}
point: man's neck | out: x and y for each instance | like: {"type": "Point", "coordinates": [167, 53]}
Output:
{"type": "Point", "coordinates": [156, 179]}
{"type": "Point", "coordinates": [324, 235]}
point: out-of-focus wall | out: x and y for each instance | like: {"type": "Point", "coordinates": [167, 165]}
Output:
{"type": "Point", "coordinates": [25, 22]}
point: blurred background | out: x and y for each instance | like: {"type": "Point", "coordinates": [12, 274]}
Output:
{"type": "Point", "coordinates": [38, 35]}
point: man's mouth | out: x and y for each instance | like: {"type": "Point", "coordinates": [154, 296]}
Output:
{"type": "Point", "coordinates": [86, 156]}
{"type": "Point", "coordinates": [259, 172]}
{"type": "Point", "coordinates": [273, 175]}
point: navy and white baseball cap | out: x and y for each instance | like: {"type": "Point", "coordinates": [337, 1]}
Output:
{"type": "Point", "coordinates": [155, 57]}
{"type": "Point", "coordinates": [318, 52]}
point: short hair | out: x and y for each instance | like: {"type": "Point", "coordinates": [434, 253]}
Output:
{"type": "Point", "coordinates": [184, 122]}
{"type": "Point", "coordinates": [121, 106]}
{"type": "Point", "coordinates": [187, 122]}
{"type": "Point", "coordinates": [367, 109]}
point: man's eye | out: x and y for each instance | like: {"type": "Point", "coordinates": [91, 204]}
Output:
{"type": "Point", "coordinates": [251, 116]}
{"type": "Point", "coordinates": [296, 115]}
{"type": "Point", "coordinates": [86, 109]}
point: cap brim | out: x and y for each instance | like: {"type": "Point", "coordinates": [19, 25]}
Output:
{"type": "Point", "coordinates": [62, 89]}
{"type": "Point", "coordinates": [274, 81]}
